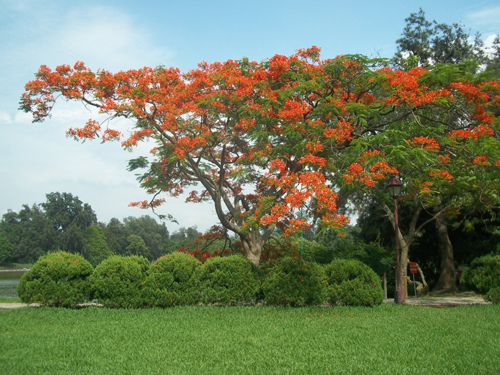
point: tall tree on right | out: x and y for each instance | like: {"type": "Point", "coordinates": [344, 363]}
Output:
{"type": "Point", "coordinates": [449, 51]}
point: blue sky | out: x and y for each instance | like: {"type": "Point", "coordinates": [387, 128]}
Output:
{"type": "Point", "coordinates": [36, 159]}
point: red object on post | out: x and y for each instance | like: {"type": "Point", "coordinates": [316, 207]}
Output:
{"type": "Point", "coordinates": [413, 267]}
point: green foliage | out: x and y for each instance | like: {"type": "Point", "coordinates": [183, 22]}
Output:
{"type": "Point", "coordinates": [316, 252]}
{"type": "Point", "coordinates": [493, 295]}
{"type": "Point", "coordinates": [228, 280]}
{"type": "Point", "coordinates": [30, 232]}
{"type": "Point", "coordinates": [172, 280]}
{"type": "Point", "coordinates": [351, 282]}
{"type": "Point", "coordinates": [5, 248]}
{"type": "Point", "coordinates": [432, 42]}
{"type": "Point", "coordinates": [137, 246]}
{"type": "Point", "coordinates": [58, 278]}
{"type": "Point", "coordinates": [95, 247]}
{"type": "Point", "coordinates": [353, 246]}
{"type": "Point", "coordinates": [64, 210]}
{"type": "Point", "coordinates": [155, 235]}
{"type": "Point", "coordinates": [293, 282]}
{"type": "Point", "coordinates": [69, 217]}
{"type": "Point", "coordinates": [483, 274]}
{"type": "Point", "coordinates": [116, 282]}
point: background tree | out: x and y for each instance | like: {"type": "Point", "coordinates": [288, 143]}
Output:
{"type": "Point", "coordinates": [6, 248]}
{"type": "Point", "coordinates": [95, 248]}
{"type": "Point", "coordinates": [114, 235]}
{"type": "Point", "coordinates": [154, 235]}
{"type": "Point", "coordinates": [137, 246]}
{"type": "Point", "coordinates": [70, 217]}
{"type": "Point", "coordinates": [433, 43]}
{"type": "Point", "coordinates": [30, 233]}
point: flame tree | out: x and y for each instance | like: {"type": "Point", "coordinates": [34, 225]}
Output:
{"type": "Point", "coordinates": [258, 140]}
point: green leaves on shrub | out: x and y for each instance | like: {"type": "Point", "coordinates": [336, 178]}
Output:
{"type": "Point", "coordinates": [493, 295]}
{"type": "Point", "coordinates": [58, 278]}
{"type": "Point", "coordinates": [293, 282]}
{"type": "Point", "coordinates": [116, 282]}
{"type": "Point", "coordinates": [172, 280]}
{"type": "Point", "coordinates": [351, 282]}
{"type": "Point", "coordinates": [228, 280]}
{"type": "Point", "coordinates": [483, 274]}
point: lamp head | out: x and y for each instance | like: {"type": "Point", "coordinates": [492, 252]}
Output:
{"type": "Point", "coordinates": [394, 187]}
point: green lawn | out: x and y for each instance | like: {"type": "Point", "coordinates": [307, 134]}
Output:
{"type": "Point", "coordinates": [388, 339]}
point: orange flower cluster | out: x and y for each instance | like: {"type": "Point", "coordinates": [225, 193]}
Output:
{"type": "Point", "coordinates": [445, 159]}
{"type": "Point", "coordinates": [376, 172]}
{"type": "Point", "coordinates": [408, 89]}
{"type": "Point", "coordinates": [314, 160]}
{"type": "Point", "coordinates": [367, 155]}
{"type": "Point", "coordinates": [293, 111]}
{"type": "Point", "coordinates": [481, 160]}
{"type": "Point", "coordinates": [356, 172]}
{"type": "Point", "coordinates": [342, 133]}
{"type": "Point", "coordinates": [147, 204]}
{"type": "Point", "coordinates": [137, 136]}
{"type": "Point", "coordinates": [89, 131]}
{"type": "Point", "coordinates": [188, 144]}
{"type": "Point", "coordinates": [441, 174]}
{"type": "Point", "coordinates": [477, 132]}
{"type": "Point", "coordinates": [315, 147]}
{"type": "Point", "coordinates": [429, 143]}
{"type": "Point", "coordinates": [470, 91]}
{"type": "Point", "coordinates": [479, 95]}
{"type": "Point", "coordinates": [425, 187]}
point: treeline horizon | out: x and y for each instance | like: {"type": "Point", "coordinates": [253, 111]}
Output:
{"type": "Point", "coordinates": [64, 222]}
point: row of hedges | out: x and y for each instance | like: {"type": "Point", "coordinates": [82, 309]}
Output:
{"type": "Point", "coordinates": [65, 279]}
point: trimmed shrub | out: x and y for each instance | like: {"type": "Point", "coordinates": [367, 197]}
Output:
{"type": "Point", "coordinates": [483, 274]}
{"type": "Point", "coordinates": [116, 282]}
{"type": "Point", "coordinates": [493, 295]}
{"type": "Point", "coordinates": [293, 282]}
{"type": "Point", "coordinates": [56, 279]}
{"type": "Point", "coordinates": [228, 280]}
{"type": "Point", "coordinates": [351, 282]}
{"type": "Point", "coordinates": [172, 280]}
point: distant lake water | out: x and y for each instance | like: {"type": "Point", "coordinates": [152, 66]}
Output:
{"type": "Point", "coordinates": [8, 282]}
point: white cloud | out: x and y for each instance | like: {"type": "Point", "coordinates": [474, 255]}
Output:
{"type": "Point", "coordinates": [5, 118]}
{"type": "Point", "coordinates": [106, 36]}
{"type": "Point", "coordinates": [487, 19]}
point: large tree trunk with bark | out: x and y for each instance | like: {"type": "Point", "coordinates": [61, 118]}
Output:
{"type": "Point", "coordinates": [253, 242]}
{"type": "Point", "coordinates": [446, 282]}
{"type": "Point", "coordinates": [404, 246]}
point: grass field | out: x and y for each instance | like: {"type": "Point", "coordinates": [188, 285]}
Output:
{"type": "Point", "coordinates": [388, 339]}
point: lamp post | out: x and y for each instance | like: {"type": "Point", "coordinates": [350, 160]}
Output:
{"type": "Point", "coordinates": [394, 188]}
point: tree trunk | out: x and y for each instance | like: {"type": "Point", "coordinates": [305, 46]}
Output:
{"type": "Point", "coordinates": [385, 285]}
{"type": "Point", "coordinates": [404, 244]}
{"type": "Point", "coordinates": [404, 250]}
{"type": "Point", "coordinates": [253, 243]}
{"type": "Point", "coordinates": [446, 282]}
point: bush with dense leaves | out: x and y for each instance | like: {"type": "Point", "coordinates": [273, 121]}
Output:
{"type": "Point", "coordinates": [351, 282]}
{"type": "Point", "coordinates": [117, 281]}
{"type": "Point", "coordinates": [172, 280]}
{"type": "Point", "coordinates": [58, 279]}
{"type": "Point", "coordinates": [493, 295]}
{"type": "Point", "coordinates": [228, 280]}
{"type": "Point", "coordinates": [293, 282]}
{"type": "Point", "coordinates": [483, 274]}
